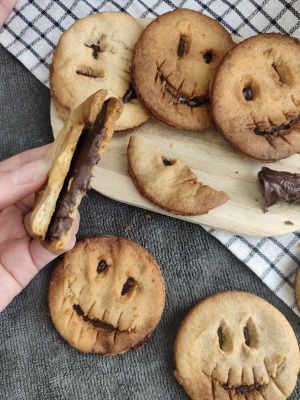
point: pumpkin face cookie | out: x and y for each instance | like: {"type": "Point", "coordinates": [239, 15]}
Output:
{"type": "Point", "coordinates": [235, 345]}
{"type": "Point", "coordinates": [170, 184]}
{"type": "Point", "coordinates": [256, 97]}
{"type": "Point", "coordinates": [174, 62]}
{"type": "Point", "coordinates": [106, 296]}
{"type": "Point", "coordinates": [95, 53]}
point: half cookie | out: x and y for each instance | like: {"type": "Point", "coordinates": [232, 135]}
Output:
{"type": "Point", "coordinates": [174, 62]}
{"type": "Point", "coordinates": [236, 346]}
{"type": "Point", "coordinates": [95, 53]}
{"type": "Point", "coordinates": [74, 154]}
{"type": "Point", "coordinates": [107, 295]}
{"type": "Point", "coordinates": [169, 183]}
{"type": "Point", "coordinates": [256, 97]}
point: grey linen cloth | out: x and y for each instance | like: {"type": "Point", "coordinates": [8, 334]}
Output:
{"type": "Point", "coordinates": [35, 362]}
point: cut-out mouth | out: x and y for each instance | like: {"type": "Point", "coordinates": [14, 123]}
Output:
{"type": "Point", "coordinates": [243, 389]}
{"type": "Point", "coordinates": [279, 128]}
{"type": "Point", "coordinates": [97, 323]}
{"type": "Point", "coordinates": [196, 101]}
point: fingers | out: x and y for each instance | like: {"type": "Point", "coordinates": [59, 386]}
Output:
{"type": "Point", "coordinates": [23, 158]}
{"type": "Point", "coordinates": [6, 7]}
{"type": "Point", "coordinates": [19, 183]}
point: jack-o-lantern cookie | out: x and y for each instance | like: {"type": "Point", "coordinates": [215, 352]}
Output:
{"type": "Point", "coordinates": [106, 296]}
{"type": "Point", "coordinates": [170, 184]}
{"type": "Point", "coordinates": [235, 345]}
{"type": "Point", "coordinates": [96, 53]}
{"type": "Point", "coordinates": [174, 62]}
{"type": "Point", "coordinates": [256, 97]}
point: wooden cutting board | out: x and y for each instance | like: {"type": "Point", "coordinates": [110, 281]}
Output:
{"type": "Point", "coordinates": [215, 164]}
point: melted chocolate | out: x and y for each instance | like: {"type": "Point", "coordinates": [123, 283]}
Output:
{"type": "Point", "coordinates": [129, 95]}
{"type": "Point", "coordinates": [77, 181]}
{"type": "Point", "coordinates": [102, 266]}
{"type": "Point", "coordinates": [128, 285]}
{"type": "Point", "coordinates": [276, 129]}
{"type": "Point", "coordinates": [247, 92]}
{"type": "Point", "coordinates": [208, 57]}
{"type": "Point", "coordinates": [243, 389]}
{"type": "Point", "coordinates": [279, 186]}
{"type": "Point", "coordinates": [95, 322]}
{"type": "Point", "coordinates": [96, 49]}
{"type": "Point", "coordinates": [181, 47]}
{"type": "Point", "coordinates": [167, 162]}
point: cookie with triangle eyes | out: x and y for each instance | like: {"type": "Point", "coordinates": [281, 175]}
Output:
{"type": "Point", "coordinates": [170, 184]}
{"type": "Point", "coordinates": [256, 97]}
{"type": "Point", "coordinates": [96, 53]}
{"type": "Point", "coordinates": [174, 62]}
{"type": "Point", "coordinates": [106, 296]}
{"type": "Point", "coordinates": [235, 345]}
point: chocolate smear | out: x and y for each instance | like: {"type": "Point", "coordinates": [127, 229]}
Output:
{"type": "Point", "coordinates": [276, 129]}
{"type": "Point", "coordinates": [97, 323]}
{"type": "Point", "coordinates": [96, 49]}
{"type": "Point", "coordinates": [129, 95]}
{"type": "Point", "coordinates": [77, 181]}
{"type": "Point", "coordinates": [279, 186]}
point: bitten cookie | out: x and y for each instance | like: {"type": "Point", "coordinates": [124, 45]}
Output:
{"type": "Point", "coordinates": [106, 296]}
{"type": "Point", "coordinates": [170, 184]}
{"type": "Point", "coordinates": [95, 53]}
{"type": "Point", "coordinates": [235, 345]}
{"type": "Point", "coordinates": [256, 97]}
{"type": "Point", "coordinates": [174, 62]}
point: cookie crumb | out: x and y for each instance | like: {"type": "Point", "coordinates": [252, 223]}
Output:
{"type": "Point", "coordinates": [236, 172]}
{"type": "Point", "coordinates": [288, 223]}
{"type": "Point", "coordinates": [148, 216]}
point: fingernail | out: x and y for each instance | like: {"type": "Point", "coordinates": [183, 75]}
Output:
{"type": "Point", "coordinates": [32, 172]}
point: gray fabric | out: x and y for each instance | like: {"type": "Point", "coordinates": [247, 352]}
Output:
{"type": "Point", "coordinates": [35, 363]}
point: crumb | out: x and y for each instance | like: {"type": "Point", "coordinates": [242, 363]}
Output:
{"type": "Point", "coordinates": [288, 222]}
{"type": "Point", "coordinates": [236, 172]}
{"type": "Point", "coordinates": [148, 216]}
{"type": "Point", "coordinates": [256, 199]}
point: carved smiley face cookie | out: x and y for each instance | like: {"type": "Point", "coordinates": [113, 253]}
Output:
{"type": "Point", "coordinates": [106, 296]}
{"type": "Point", "coordinates": [96, 53]}
{"type": "Point", "coordinates": [235, 345]}
{"type": "Point", "coordinates": [256, 97]}
{"type": "Point", "coordinates": [174, 62]}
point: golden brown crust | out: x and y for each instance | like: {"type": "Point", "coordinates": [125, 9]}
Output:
{"type": "Point", "coordinates": [92, 277]}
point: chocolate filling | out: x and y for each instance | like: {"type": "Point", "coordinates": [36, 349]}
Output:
{"type": "Point", "coordinates": [275, 129]}
{"type": "Point", "coordinates": [78, 178]}
{"type": "Point", "coordinates": [129, 95]}
{"type": "Point", "coordinates": [128, 285]}
{"type": "Point", "coordinates": [196, 101]}
{"type": "Point", "coordinates": [181, 47]}
{"type": "Point", "coordinates": [102, 266]}
{"type": "Point", "coordinates": [95, 322]}
{"type": "Point", "coordinates": [279, 186]}
{"type": "Point", "coordinates": [242, 389]}
{"type": "Point", "coordinates": [96, 49]}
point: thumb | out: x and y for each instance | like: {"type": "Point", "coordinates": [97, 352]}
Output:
{"type": "Point", "coordinates": [19, 183]}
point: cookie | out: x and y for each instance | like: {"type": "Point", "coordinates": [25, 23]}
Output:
{"type": "Point", "coordinates": [74, 154]}
{"type": "Point", "coordinates": [106, 296]}
{"type": "Point", "coordinates": [96, 53]}
{"type": "Point", "coordinates": [256, 97]}
{"type": "Point", "coordinates": [174, 62]}
{"type": "Point", "coordinates": [170, 184]}
{"type": "Point", "coordinates": [297, 288]}
{"type": "Point", "coordinates": [235, 345]}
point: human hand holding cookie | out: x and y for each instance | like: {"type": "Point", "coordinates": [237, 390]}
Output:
{"type": "Point", "coordinates": [22, 257]}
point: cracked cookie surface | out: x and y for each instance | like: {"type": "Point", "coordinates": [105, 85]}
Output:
{"type": "Point", "coordinates": [256, 97]}
{"type": "Point", "coordinates": [106, 296]}
{"type": "Point", "coordinates": [170, 184]}
{"type": "Point", "coordinates": [96, 53]}
{"type": "Point", "coordinates": [235, 345]}
{"type": "Point", "coordinates": [174, 62]}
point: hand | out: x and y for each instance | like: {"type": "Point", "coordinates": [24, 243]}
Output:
{"type": "Point", "coordinates": [21, 256]}
{"type": "Point", "coordinates": [6, 7]}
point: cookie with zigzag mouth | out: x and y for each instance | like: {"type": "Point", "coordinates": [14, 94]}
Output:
{"type": "Point", "coordinates": [174, 62]}
{"type": "Point", "coordinates": [256, 97]}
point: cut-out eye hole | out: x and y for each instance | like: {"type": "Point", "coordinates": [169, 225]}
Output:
{"type": "Point", "coordinates": [167, 162]}
{"type": "Point", "coordinates": [280, 73]}
{"type": "Point", "coordinates": [208, 56]}
{"type": "Point", "coordinates": [247, 336]}
{"type": "Point", "coordinates": [221, 336]}
{"type": "Point", "coordinates": [102, 266]}
{"type": "Point", "coordinates": [181, 46]}
{"type": "Point", "coordinates": [128, 285]}
{"type": "Point", "coordinates": [247, 92]}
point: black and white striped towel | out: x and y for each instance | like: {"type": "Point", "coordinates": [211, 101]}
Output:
{"type": "Point", "coordinates": [34, 27]}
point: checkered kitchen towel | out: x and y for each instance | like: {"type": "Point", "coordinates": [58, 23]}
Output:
{"type": "Point", "coordinates": [33, 29]}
